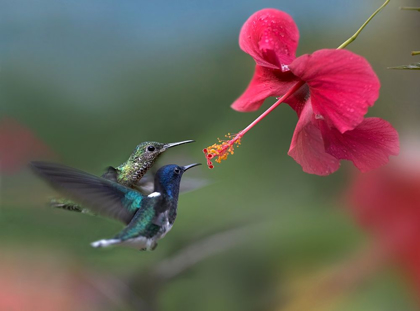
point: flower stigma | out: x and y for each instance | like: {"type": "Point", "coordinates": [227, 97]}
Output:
{"type": "Point", "coordinates": [221, 150]}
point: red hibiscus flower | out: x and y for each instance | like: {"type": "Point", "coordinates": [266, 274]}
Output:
{"type": "Point", "coordinates": [330, 90]}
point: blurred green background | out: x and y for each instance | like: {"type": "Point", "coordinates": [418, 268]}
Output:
{"type": "Point", "coordinates": [94, 78]}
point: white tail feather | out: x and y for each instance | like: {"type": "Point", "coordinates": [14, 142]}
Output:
{"type": "Point", "coordinates": [105, 243]}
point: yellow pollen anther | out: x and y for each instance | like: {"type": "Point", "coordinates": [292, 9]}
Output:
{"type": "Point", "coordinates": [221, 150]}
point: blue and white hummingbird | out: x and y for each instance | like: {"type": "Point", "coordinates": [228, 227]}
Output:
{"type": "Point", "coordinates": [147, 218]}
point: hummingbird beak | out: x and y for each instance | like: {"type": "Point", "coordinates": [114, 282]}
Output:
{"type": "Point", "coordinates": [187, 167]}
{"type": "Point", "coordinates": [170, 145]}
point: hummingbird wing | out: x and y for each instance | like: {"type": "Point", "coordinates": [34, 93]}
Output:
{"type": "Point", "coordinates": [102, 196]}
{"type": "Point", "coordinates": [146, 184]}
{"type": "Point", "coordinates": [110, 173]}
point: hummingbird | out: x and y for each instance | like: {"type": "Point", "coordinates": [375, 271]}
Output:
{"type": "Point", "coordinates": [147, 218]}
{"type": "Point", "coordinates": [128, 173]}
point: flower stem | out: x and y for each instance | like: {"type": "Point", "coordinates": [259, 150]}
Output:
{"type": "Point", "coordinates": [415, 53]}
{"type": "Point", "coordinates": [356, 34]}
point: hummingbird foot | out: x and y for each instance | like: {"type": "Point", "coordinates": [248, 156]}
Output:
{"type": "Point", "coordinates": [149, 247]}
{"type": "Point", "coordinates": [105, 243]}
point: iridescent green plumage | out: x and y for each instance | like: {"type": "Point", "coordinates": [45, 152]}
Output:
{"type": "Point", "coordinates": [139, 162]}
{"type": "Point", "coordinates": [142, 223]}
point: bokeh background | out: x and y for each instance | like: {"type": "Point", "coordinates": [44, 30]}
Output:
{"type": "Point", "coordinates": [83, 82]}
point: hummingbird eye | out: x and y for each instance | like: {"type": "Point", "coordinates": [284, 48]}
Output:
{"type": "Point", "coordinates": [151, 148]}
{"type": "Point", "coordinates": [177, 171]}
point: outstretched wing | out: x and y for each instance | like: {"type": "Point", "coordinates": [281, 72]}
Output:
{"type": "Point", "coordinates": [102, 196]}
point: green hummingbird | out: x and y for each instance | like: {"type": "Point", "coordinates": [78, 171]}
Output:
{"type": "Point", "coordinates": [128, 173]}
{"type": "Point", "coordinates": [147, 218]}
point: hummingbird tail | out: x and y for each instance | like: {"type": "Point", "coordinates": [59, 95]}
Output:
{"type": "Point", "coordinates": [105, 243]}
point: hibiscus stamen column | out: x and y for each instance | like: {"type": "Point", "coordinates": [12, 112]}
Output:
{"type": "Point", "coordinates": [224, 148]}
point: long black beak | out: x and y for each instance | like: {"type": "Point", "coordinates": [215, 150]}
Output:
{"type": "Point", "coordinates": [170, 145]}
{"type": "Point", "coordinates": [187, 167]}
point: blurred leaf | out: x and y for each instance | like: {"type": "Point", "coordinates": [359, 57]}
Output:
{"type": "Point", "coordinates": [415, 66]}
{"type": "Point", "coordinates": [410, 9]}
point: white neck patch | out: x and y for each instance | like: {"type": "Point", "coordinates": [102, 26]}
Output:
{"type": "Point", "coordinates": [153, 195]}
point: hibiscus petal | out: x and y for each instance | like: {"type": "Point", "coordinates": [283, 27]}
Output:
{"type": "Point", "coordinates": [342, 86]}
{"type": "Point", "coordinates": [307, 147]}
{"type": "Point", "coordinates": [265, 83]}
{"type": "Point", "coordinates": [368, 146]}
{"type": "Point", "coordinates": [271, 37]}
{"type": "Point", "coordinates": [298, 100]}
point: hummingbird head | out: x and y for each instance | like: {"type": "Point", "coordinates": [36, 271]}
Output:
{"type": "Point", "coordinates": [148, 151]}
{"type": "Point", "coordinates": [168, 178]}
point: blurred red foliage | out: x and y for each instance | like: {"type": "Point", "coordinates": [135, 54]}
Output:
{"type": "Point", "coordinates": [42, 284]}
{"type": "Point", "coordinates": [386, 203]}
{"type": "Point", "coordinates": [18, 145]}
